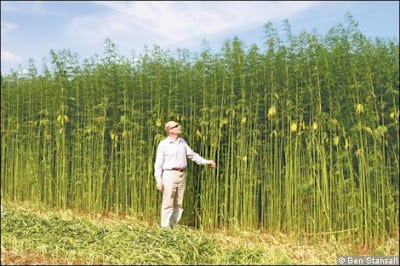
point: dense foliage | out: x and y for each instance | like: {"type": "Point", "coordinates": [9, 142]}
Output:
{"type": "Point", "coordinates": [304, 132]}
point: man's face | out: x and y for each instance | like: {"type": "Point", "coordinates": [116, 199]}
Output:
{"type": "Point", "coordinates": [175, 128]}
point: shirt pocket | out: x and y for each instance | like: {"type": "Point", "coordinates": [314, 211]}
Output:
{"type": "Point", "coordinates": [170, 151]}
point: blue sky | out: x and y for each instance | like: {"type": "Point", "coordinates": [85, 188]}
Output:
{"type": "Point", "coordinates": [30, 29]}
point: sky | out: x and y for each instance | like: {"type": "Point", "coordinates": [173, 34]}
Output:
{"type": "Point", "coordinates": [30, 29]}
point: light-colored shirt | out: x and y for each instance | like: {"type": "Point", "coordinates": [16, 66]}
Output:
{"type": "Point", "coordinates": [173, 154]}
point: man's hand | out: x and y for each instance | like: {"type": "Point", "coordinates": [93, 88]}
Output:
{"type": "Point", "coordinates": [211, 164]}
{"type": "Point", "coordinates": [160, 187]}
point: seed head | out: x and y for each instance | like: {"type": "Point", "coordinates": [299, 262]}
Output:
{"type": "Point", "coordinates": [271, 111]}
{"type": "Point", "coordinates": [293, 127]}
{"type": "Point", "coordinates": [359, 108]}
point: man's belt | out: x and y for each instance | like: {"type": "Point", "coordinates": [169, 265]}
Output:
{"type": "Point", "coordinates": [178, 169]}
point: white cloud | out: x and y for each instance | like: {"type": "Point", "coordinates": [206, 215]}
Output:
{"type": "Point", "coordinates": [24, 7]}
{"type": "Point", "coordinates": [132, 25]}
{"type": "Point", "coordinates": [169, 23]}
{"type": "Point", "coordinates": [8, 27]}
{"type": "Point", "coordinates": [10, 60]}
{"type": "Point", "coordinates": [182, 20]}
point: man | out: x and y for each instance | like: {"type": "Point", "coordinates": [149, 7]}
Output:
{"type": "Point", "coordinates": [169, 171]}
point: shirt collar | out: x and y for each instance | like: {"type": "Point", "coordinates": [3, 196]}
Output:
{"type": "Point", "coordinates": [170, 140]}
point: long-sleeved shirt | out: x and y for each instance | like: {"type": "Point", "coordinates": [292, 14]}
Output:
{"type": "Point", "coordinates": [173, 154]}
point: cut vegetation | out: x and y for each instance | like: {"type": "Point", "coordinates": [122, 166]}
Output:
{"type": "Point", "coordinates": [32, 235]}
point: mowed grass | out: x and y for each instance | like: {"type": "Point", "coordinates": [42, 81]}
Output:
{"type": "Point", "coordinates": [34, 235]}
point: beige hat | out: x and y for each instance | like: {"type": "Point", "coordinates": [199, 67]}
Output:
{"type": "Point", "coordinates": [170, 124]}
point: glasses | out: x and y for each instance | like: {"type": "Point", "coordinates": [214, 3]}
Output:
{"type": "Point", "coordinates": [177, 125]}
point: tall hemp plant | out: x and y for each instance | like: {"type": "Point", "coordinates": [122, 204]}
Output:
{"type": "Point", "coordinates": [304, 130]}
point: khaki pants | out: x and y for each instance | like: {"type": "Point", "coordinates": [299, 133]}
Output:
{"type": "Point", "coordinates": [174, 188]}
